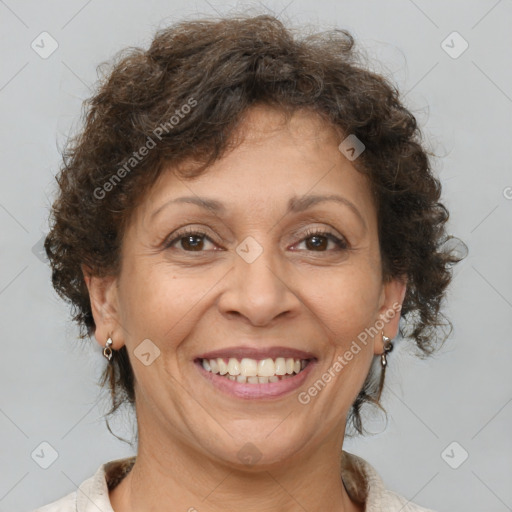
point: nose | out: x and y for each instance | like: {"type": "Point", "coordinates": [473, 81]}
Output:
{"type": "Point", "coordinates": [259, 291]}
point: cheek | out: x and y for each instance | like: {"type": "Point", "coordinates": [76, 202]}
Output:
{"type": "Point", "coordinates": [345, 301]}
{"type": "Point", "coordinates": [164, 309]}
{"type": "Point", "coordinates": [159, 305]}
{"type": "Point", "coordinates": [345, 311]}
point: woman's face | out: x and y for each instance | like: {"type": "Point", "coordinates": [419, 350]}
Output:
{"type": "Point", "coordinates": [274, 269]}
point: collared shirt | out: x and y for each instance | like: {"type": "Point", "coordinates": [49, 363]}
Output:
{"type": "Point", "coordinates": [361, 481]}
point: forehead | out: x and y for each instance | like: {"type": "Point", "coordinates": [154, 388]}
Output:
{"type": "Point", "coordinates": [273, 160]}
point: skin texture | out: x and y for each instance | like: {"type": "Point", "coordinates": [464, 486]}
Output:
{"type": "Point", "coordinates": [300, 292]}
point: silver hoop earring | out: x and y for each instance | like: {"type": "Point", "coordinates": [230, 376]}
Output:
{"type": "Point", "coordinates": [388, 347]}
{"type": "Point", "coordinates": [107, 351]}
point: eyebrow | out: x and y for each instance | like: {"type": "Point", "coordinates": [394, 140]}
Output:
{"type": "Point", "coordinates": [295, 204]}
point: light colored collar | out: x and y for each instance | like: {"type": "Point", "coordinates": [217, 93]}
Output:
{"type": "Point", "coordinates": [93, 493]}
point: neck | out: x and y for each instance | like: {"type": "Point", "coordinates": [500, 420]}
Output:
{"type": "Point", "coordinates": [177, 477]}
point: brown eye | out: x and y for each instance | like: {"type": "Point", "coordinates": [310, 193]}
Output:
{"type": "Point", "coordinates": [318, 241]}
{"type": "Point", "coordinates": [192, 242]}
{"type": "Point", "coordinates": [189, 241]}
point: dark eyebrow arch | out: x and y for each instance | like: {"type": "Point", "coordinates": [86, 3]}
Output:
{"type": "Point", "coordinates": [300, 204]}
{"type": "Point", "coordinates": [295, 204]}
{"type": "Point", "coordinates": [209, 204]}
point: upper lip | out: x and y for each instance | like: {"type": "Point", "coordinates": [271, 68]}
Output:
{"type": "Point", "coordinates": [256, 353]}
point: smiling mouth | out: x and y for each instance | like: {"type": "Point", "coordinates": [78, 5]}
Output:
{"type": "Point", "coordinates": [255, 371]}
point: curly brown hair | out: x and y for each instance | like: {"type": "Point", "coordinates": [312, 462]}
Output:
{"type": "Point", "coordinates": [219, 68]}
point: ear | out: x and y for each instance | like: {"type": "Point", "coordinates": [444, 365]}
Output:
{"type": "Point", "coordinates": [392, 298]}
{"type": "Point", "coordinates": [103, 294]}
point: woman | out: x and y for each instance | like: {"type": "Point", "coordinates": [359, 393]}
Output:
{"type": "Point", "coordinates": [242, 223]}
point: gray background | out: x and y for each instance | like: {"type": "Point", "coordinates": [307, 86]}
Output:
{"type": "Point", "coordinates": [48, 390]}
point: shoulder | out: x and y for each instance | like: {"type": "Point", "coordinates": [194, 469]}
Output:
{"type": "Point", "coordinates": [364, 484]}
{"type": "Point", "coordinates": [93, 493]}
{"type": "Point", "coordinates": [393, 501]}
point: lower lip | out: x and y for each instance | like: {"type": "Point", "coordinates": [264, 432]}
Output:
{"type": "Point", "coordinates": [256, 391]}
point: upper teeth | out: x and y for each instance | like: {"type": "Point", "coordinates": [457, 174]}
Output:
{"type": "Point", "coordinates": [254, 368]}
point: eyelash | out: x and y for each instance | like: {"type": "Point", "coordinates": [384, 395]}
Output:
{"type": "Point", "coordinates": [341, 243]}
